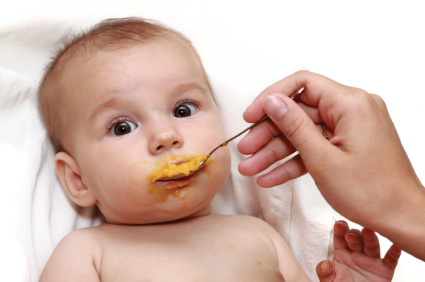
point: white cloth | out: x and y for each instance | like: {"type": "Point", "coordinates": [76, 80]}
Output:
{"type": "Point", "coordinates": [42, 214]}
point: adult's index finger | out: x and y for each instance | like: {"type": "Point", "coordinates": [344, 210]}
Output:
{"type": "Point", "coordinates": [314, 84]}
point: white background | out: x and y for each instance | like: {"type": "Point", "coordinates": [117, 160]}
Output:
{"type": "Point", "coordinates": [374, 45]}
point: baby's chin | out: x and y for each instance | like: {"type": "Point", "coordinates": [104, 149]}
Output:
{"type": "Point", "coordinates": [162, 216]}
{"type": "Point", "coordinates": [193, 212]}
{"type": "Point", "coordinates": [148, 202]}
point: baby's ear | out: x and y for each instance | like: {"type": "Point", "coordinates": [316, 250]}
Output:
{"type": "Point", "coordinates": [69, 173]}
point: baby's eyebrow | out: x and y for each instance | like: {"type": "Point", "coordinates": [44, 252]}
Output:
{"type": "Point", "coordinates": [115, 100]}
{"type": "Point", "coordinates": [188, 86]}
{"type": "Point", "coordinates": [108, 104]}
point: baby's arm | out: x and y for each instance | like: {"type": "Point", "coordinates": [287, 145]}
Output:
{"type": "Point", "coordinates": [288, 264]}
{"type": "Point", "coordinates": [76, 258]}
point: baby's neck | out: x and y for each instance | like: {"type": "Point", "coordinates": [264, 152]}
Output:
{"type": "Point", "coordinates": [203, 212]}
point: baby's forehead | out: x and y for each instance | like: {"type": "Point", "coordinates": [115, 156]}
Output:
{"type": "Point", "coordinates": [84, 58]}
{"type": "Point", "coordinates": [84, 66]}
{"type": "Point", "coordinates": [102, 71]}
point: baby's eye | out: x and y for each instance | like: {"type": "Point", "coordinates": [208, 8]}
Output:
{"type": "Point", "coordinates": [184, 110]}
{"type": "Point", "coordinates": [122, 128]}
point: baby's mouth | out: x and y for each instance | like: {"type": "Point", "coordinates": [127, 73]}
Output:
{"type": "Point", "coordinates": [178, 161]}
{"type": "Point", "coordinates": [176, 184]}
{"type": "Point", "coordinates": [180, 177]}
{"type": "Point", "coordinates": [176, 169]}
{"type": "Point", "coordinates": [178, 181]}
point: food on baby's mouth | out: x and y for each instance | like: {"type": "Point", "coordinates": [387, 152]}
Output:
{"type": "Point", "coordinates": [173, 171]}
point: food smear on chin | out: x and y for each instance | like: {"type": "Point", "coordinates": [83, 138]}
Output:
{"type": "Point", "coordinates": [179, 191]}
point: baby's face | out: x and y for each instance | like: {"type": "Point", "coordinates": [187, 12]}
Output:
{"type": "Point", "coordinates": [134, 111]}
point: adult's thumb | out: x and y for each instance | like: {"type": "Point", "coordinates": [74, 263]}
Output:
{"type": "Point", "coordinates": [295, 124]}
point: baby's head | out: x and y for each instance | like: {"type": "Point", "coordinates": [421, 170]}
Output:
{"type": "Point", "coordinates": [121, 101]}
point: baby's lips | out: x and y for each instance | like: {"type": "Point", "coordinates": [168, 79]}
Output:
{"type": "Point", "coordinates": [177, 161]}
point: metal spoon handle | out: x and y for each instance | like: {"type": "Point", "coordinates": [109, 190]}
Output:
{"type": "Point", "coordinates": [237, 135]}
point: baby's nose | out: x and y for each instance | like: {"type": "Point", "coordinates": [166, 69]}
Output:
{"type": "Point", "coordinates": [165, 141]}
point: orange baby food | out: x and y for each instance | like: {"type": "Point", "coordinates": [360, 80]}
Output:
{"type": "Point", "coordinates": [171, 169]}
{"type": "Point", "coordinates": [169, 166]}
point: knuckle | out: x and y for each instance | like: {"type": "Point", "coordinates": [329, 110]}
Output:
{"type": "Point", "coordinates": [293, 126]}
{"type": "Point", "coordinates": [393, 256]}
{"type": "Point", "coordinates": [274, 154]}
{"type": "Point", "coordinates": [302, 72]}
{"type": "Point", "coordinates": [362, 95]}
{"type": "Point", "coordinates": [277, 150]}
{"type": "Point", "coordinates": [286, 172]}
{"type": "Point", "coordinates": [373, 249]}
{"type": "Point", "coordinates": [361, 100]}
{"type": "Point", "coordinates": [379, 101]}
{"type": "Point", "coordinates": [300, 76]}
{"type": "Point", "coordinates": [377, 98]}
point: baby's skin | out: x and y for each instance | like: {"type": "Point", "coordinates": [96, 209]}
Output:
{"type": "Point", "coordinates": [210, 248]}
{"type": "Point", "coordinates": [357, 257]}
{"type": "Point", "coordinates": [131, 110]}
{"type": "Point", "coordinates": [139, 109]}
{"type": "Point", "coordinates": [205, 248]}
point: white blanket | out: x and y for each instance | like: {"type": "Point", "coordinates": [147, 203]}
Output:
{"type": "Point", "coordinates": [241, 56]}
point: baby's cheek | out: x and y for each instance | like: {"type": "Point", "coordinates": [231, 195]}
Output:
{"type": "Point", "coordinates": [220, 165]}
{"type": "Point", "coordinates": [137, 186]}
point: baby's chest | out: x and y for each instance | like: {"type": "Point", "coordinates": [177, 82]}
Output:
{"type": "Point", "coordinates": [189, 259]}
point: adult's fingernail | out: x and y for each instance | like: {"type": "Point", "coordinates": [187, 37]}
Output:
{"type": "Point", "coordinates": [275, 107]}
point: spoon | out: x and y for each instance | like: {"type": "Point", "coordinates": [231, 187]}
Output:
{"type": "Point", "coordinates": [190, 171]}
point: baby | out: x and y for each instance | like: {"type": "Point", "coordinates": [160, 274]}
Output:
{"type": "Point", "coordinates": [121, 102]}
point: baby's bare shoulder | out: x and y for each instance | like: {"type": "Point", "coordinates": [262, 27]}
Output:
{"type": "Point", "coordinates": [82, 242]}
{"type": "Point", "coordinates": [77, 250]}
{"type": "Point", "coordinates": [87, 238]}
{"type": "Point", "coordinates": [83, 233]}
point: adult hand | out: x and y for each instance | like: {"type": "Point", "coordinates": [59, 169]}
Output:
{"type": "Point", "coordinates": [362, 171]}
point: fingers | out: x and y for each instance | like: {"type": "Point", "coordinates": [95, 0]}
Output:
{"type": "Point", "coordinates": [340, 229]}
{"type": "Point", "coordinates": [346, 238]}
{"type": "Point", "coordinates": [298, 128]}
{"type": "Point", "coordinates": [371, 243]}
{"type": "Point", "coordinates": [287, 86]}
{"type": "Point", "coordinates": [268, 149]}
{"type": "Point", "coordinates": [261, 134]}
{"type": "Point", "coordinates": [392, 256]}
{"type": "Point", "coordinates": [291, 169]}
{"type": "Point", "coordinates": [325, 271]}
{"type": "Point", "coordinates": [312, 112]}
{"type": "Point", "coordinates": [258, 137]}
{"type": "Point", "coordinates": [275, 150]}
{"type": "Point", "coordinates": [354, 240]}
{"type": "Point", "coordinates": [365, 241]}
{"type": "Point", "coordinates": [362, 246]}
